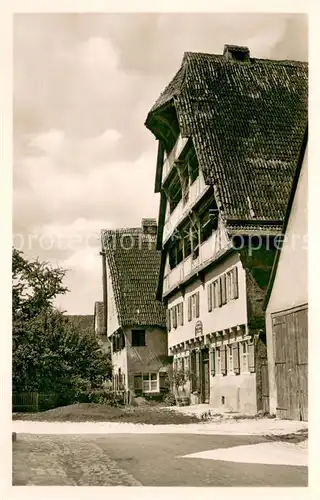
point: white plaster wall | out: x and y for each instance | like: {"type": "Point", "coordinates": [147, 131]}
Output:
{"type": "Point", "coordinates": [290, 287]}
{"type": "Point", "coordinates": [231, 314]}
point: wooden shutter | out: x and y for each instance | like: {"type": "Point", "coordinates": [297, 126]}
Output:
{"type": "Point", "coordinates": [174, 311]}
{"type": "Point", "coordinates": [251, 357]}
{"type": "Point", "coordinates": [215, 287]}
{"type": "Point", "coordinates": [189, 309]}
{"type": "Point", "coordinates": [138, 383]}
{"type": "Point", "coordinates": [168, 320]}
{"type": "Point", "coordinates": [209, 293]}
{"type": "Point", "coordinates": [223, 360]}
{"type": "Point", "coordinates": [235, 293]}
{"type": "Point", "coordinates": [236, 357]}
{"type": "Point", "coordinates": [213, 362]}
{"type": "Point", "coordinates": [219, 293]}
{"type": "Point", "coordinates": [181, 313]}
{"type": "Point", "coordinates": [197, 304]}
{"type": "Point", "coordinates": [223, 289]}
{"type": "Point", "coordinates": [162, 381]}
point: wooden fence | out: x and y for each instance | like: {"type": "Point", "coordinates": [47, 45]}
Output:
{"type": "Point", "coordinates": [30, 402]}
{"type": "Point", "coordinates": [25, 402]}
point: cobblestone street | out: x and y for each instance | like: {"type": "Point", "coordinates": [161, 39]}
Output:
{"type": "Point", "coordinates": [64, 461]}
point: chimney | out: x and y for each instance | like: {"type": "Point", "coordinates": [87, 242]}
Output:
{"type": "Point", "coordinates": [236, 53]}
{"type": "Point", "coordinates": [149, 226]}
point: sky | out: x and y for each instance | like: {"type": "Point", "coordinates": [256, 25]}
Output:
{"type": "Point", "coordinates": [83, 86]}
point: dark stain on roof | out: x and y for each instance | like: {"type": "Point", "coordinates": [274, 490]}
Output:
{"type": "Point", "coordinates": [134, 265]}
{"type": "Point", "coordinates": [247, 121]}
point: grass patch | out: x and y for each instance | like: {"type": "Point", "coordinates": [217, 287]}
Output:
{"type": "Point", "coordinates": [90, 412]}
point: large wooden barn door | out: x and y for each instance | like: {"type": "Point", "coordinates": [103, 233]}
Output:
{"type": "Point", "coordinates": [290, 337]}
{"type": "Point", "coordinates": [301, 321]}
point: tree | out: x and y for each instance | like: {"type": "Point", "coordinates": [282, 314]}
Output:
{"type": "Point", "coordinates": [49, 353]}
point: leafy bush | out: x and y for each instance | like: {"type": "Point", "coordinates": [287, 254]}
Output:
{"type": "Point", "coordinates": [50, 354]}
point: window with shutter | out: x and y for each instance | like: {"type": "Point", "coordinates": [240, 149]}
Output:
{"type": "Point", "coordinates": [223, 289]}
{"type": "Point", "coordinates": [251, 357]}
{"type": "Point", "coordinates": [219, 293]}
{"type": "Point", "coordinates": [174, 309]}
{"type": "Point", "coordinates": [168, 320]}
{"type": "Point", "coordinates": [244, 357]}
{"type": "Point", "coordinates": [209, 294]}
{"type": "Point", "coordinates": [223, 360]}
{"type": "Point", "coordinates": [235, 283]}
{"type": "Point", "coordinates": [236, 358]}
{"type": "Point", "coordinates": [218, 359]}
{"type": "Point", "coordinates": [229, 291]}
{"type": "Point", "coordinates": [189, 308]}
{"type": "Point", "coordinates": [216, 293]}
{"type": "Point", "coordinates": [212, 362]}
{"type": "Point", "coordinates": [181, 314]}
{"type": "Point", "coordinates": [197, 304]}
{"type": "Point", "coordinates": [229, 358]}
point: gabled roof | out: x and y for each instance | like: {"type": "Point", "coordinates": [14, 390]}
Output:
{"type": "Point", "coordinates": [134, 265]}
{"type": "Point", "coordinates": [246, 120]}
{"type": "Point", "coordinates": [287, 215]}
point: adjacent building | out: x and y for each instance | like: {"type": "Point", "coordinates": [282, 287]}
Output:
{"type": "Point", "coordinates": [229, 130]}
{"type": "Point", "coordinates": [136, 322]}
{"type": "Point", "coordinates": [287, 307]}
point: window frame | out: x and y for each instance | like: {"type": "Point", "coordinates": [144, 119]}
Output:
{"type": "Point", "coordinates": [149, 381]}
{"type": "Point", "coordinates": [230, 364]}
{"type": "Point", "coordinates": [244, 357]}
{"type": "Point", "coordinates": [132, 336]}
{"type": "Point", "coordinates": [218, 360]}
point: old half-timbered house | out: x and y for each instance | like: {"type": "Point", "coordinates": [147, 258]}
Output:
{"type": "Point", "coordinates": [229, 130]}
{"type": "Point", "coordinates": [136, 324]}
{"type": "Point", "coordinates": [287, 307]}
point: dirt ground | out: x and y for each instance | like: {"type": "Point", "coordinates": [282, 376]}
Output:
{"type": "Point", "coordinates": [89, 412]}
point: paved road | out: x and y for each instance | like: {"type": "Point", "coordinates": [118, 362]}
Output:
{"type": "Point", "coordinates": [147, 459]}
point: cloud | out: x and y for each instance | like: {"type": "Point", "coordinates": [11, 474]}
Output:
{"type": "Point", "coordinates": [83, 85]}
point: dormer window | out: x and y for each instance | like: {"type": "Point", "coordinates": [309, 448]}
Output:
{"type": "Point", "coordinates": [236, 53]}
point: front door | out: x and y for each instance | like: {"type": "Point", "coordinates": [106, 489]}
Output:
{"type": "Point", "coordinates": [205, 377]}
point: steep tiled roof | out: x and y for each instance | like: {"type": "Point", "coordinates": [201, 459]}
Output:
{"type": "Point", "coordinates": [247, 121]}
{"type": "Point", "coordinates": [134, 265]}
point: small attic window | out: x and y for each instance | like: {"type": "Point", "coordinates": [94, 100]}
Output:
{"type": "Point", "coordinates": [236, 53]}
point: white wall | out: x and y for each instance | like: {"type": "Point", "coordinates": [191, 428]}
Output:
{"type": "Point", "coordinates": [231, 314]}
{"type": "Point", "coordinates": [290, 287]}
